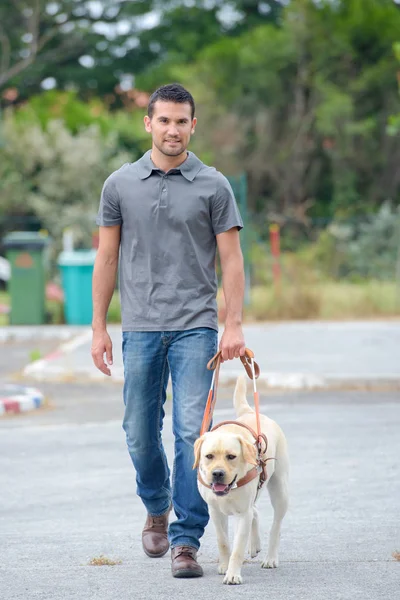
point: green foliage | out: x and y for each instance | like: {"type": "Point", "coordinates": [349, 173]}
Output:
{"type": "Point", "coordinates": [126, 126]}
{"type": "Point", "coordinates": [394, 120]}
{"type": "Point", "coordinates": [297, 95]}
{"type": "Point", "coordinates": [374, 251]}
{"type": "Point", "coordinates": [362, 250]}
{"type": "Point", "coordinates": [57, 175]}
{"type": "Point", "coordinates": [66, 107]}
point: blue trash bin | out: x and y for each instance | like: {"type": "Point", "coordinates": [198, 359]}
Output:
{"type": "Point", "coordinates": [76, 275]}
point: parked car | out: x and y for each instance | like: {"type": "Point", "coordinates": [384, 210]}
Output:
{"type": "Point", "coordinates": [5, 272]}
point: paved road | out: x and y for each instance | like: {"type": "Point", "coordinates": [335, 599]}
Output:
{"type": "Point", "coordinates": [68, 495]}
{"type": "Point", "coordinates": [291, 355]}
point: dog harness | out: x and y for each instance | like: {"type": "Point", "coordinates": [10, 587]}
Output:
{"type": "Point", "coordinates": [260, 470]}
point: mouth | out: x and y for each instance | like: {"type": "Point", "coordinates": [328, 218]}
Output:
{"type": "Point", "coordinates": [221, 489]}
{"type": "Point", "coordinates": [172, 141]}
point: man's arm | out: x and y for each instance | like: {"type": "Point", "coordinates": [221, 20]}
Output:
{"type": "Point", "coordinates": [232, 342]}
{"type": "Point", "coordinates": [104, 276]}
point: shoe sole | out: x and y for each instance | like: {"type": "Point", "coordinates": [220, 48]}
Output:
{"type": "Point", "coordinates": [186, 574]}
{"type": "Point", "coordinates": [159, 555]}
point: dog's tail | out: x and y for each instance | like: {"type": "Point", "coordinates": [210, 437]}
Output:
{"type": "Point", "coordinates": [241, 405]}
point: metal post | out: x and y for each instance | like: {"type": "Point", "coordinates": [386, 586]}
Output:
{"type": "Point", "coordinates": [274, 233]}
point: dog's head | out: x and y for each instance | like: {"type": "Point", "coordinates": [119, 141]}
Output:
{"type": "Point", "coordinates": [223, 458]}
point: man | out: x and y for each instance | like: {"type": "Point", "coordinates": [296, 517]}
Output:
{"type": "Point", "coordinates": [166, 214]}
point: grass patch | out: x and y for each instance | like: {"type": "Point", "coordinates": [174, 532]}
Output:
{"type": "Point", "coordinates": [5, 300]}
{"type": "Point", "coordinates": [35, 355]}
{"type": "Point", "coordinates": [103, 561]}
{"type": "Point", "coordinates": [114, 310]}
{"type": "Point", "coordinates": [324, 300]}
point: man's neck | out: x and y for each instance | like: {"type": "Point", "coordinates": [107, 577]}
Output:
{"type": "Point", "coordinates": [166, 163]}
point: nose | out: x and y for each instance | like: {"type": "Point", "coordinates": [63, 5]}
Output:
{"type": "Point", "coordinates": [173, 131]}
{"type": "Point", "coordinates": [218, 475]}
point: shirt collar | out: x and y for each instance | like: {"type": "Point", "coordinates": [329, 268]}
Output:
{"type": "Point", "coordinates": [188, 169]}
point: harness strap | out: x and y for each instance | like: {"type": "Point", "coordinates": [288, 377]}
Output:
{"type": "Point", "coordinates": [250, 475]}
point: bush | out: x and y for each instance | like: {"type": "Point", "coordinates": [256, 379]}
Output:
{"type": "Point", "coordinates": [368, 249]}
{"type": "Point", "coordinates": [56, 175]}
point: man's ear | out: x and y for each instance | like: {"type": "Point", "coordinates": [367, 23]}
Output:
{"type": "Point", "coordinates": [147, 123]}
{"type": "Point", "coordinates": [197, 451]}
{"type": "Point", "coordinates": [249, 451]}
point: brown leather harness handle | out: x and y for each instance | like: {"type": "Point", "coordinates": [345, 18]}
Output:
{"type": "Point", "coordinates": [213, 365]}
{"type": "Point", "coordinates": [246, 361]}
{"type": "Point", "coordinates": [251, 367]}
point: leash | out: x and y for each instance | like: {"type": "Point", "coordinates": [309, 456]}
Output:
{"type": "Point", "coordinates": [253, 371]}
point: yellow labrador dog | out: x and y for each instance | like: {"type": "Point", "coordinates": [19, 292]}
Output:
{"type": "Point", "coordinates": [223, 458]}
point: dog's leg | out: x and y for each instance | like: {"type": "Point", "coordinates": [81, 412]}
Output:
{"type": "Point", "coordinates": [221, 528]}
{"type": "Point", "coordinates": [233, 574]}
{"type": "Point", "coordinates": [278, 491]}
{"type": "Point", "coordinates": [255, 542]}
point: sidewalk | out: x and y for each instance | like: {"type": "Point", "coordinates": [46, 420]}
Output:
{"type": "Point", "coordinates": [291, 355]}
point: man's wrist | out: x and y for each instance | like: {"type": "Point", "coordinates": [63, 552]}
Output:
{"type": "Point", "coordinates": [233, 322]}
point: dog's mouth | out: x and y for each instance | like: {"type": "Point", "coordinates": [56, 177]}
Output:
{"type": "Point", "coordinates": [221, 489]}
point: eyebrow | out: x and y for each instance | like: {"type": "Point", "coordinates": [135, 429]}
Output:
{"type": "Point", "coordinates": [160, 118]}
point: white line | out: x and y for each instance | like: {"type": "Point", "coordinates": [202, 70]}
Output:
{"type": "Point", "coordinates": [73, 344]}
{"type": "Point", "coordinates": [39, 366]}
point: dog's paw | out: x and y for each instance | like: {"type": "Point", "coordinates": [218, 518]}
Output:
{"type": "Point", "coordinates": [270, 563]}
{"type": "Point", "coordinates": [254, 550]}
{"type": "Point", "coordinates": [222, 568]}
{"type": "Point", "coordinates": [233, 579]}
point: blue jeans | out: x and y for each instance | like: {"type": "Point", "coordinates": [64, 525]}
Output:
{"type": "Point", "coordinates": [149, 357]}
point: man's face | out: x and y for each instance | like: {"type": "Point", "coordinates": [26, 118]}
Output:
{"type": "Point", "coordinates": [171, 127]}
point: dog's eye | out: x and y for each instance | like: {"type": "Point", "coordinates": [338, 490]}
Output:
{"type": "Point", "coordinates": [210, 456]}
{"type": "Point", "coordinates": [231, 457]}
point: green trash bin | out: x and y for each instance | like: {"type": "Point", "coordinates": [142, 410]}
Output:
{"type": "Point", "coordinates": [76, 268]}
{"type": "Point", "coordinates": [26, 252]}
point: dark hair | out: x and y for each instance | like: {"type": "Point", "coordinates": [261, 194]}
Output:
{"type": "Point", "coordinates": [173, 92]}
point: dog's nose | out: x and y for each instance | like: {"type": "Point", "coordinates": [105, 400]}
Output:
{"type": "Point", "coordinates": [218, 474]}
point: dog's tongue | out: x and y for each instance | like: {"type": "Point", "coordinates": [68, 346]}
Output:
{"type": "Point", "coordinates": [219, 487]}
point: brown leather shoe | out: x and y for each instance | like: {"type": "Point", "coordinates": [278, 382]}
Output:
{"type": "Point", "coordinates": [184, 563]}
{"type": "Point", "coordinates": [155, 535]}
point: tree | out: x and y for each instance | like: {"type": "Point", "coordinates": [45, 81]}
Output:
{"type": "Point", "coordinates": [41, 39]}
{"type": "Point", "coordinates": [56, 175]}
{"type": "Point", "coordinates": [92, 46]}
{"type": "Point", "coordinates": [303, 108]}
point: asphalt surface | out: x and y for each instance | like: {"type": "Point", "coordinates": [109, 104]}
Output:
{"type": "Point", "coordinates": [292, 355]}
{"type": "Point", "coordinates": [68, 496]}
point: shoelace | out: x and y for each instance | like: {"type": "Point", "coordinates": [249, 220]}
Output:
{"type": "Point", "coordinates": [186, 551]}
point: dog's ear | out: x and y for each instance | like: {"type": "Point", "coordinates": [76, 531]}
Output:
{"type": "Point", "coordinates": [249, 451]}
{"type": "Point", "coordinates": [197, 450]}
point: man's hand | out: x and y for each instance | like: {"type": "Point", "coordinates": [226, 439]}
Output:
{"type": "Point", "coordinates": [232, 343]}
{"type": "Point", "coordinates": [102, 344]}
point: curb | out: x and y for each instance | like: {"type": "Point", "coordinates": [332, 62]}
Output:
{"type": "Point", "coordinates": [46, 370]}
{"type": "Point", "coordinates": [15, 399]}
{"type": "Point", "coordinates": [23, 333]}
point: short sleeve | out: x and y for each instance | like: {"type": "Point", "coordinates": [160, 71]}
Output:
{"type": "Point", "coordinates": [110, 210]}
{"type": "Point", "coordinates": [225, 213]}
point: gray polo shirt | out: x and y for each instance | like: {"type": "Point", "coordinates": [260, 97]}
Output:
{"type": "Point", "coordinates": [168, 226]}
